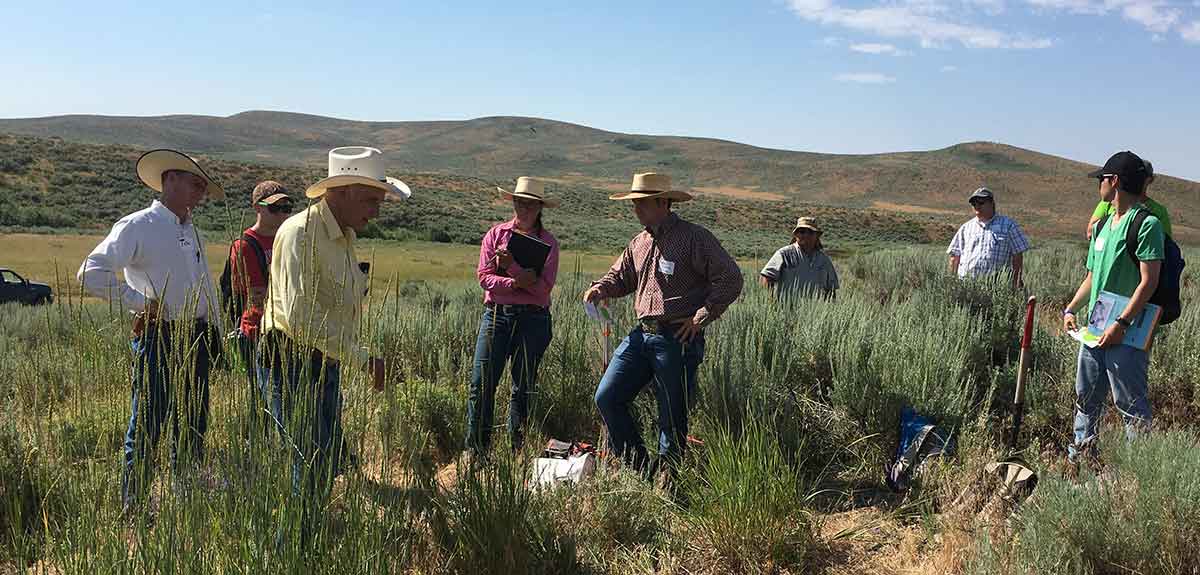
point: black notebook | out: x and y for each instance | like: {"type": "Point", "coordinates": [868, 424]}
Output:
{"type": "Point", "coordinates": [529, 252]}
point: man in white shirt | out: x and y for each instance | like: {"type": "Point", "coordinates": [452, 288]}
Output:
{"type": "Point", "coordinates": [987, 243]}
{"type": "Point", "coordinates": [168, 289]}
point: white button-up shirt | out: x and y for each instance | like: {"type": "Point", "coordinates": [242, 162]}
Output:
{"type": "Point", "coordinates": [986, 247]}
{"type": "Point", "coordinates": [162, 259]}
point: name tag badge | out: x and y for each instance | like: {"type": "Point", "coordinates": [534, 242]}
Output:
{"type": "Point", "coordinates": [1099, 244]}
{"type": "Point", "coordinates": [666, 267]}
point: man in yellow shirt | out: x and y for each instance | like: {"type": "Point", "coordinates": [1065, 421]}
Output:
{"type": "Point", "coordinates": [312, 314]}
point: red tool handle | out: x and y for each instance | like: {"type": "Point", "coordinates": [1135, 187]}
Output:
{"type": "Point", "coordinates": [1027, 338]}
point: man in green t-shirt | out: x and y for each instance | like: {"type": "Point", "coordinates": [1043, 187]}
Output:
{"type": "Point", "coordinates": [1122, 367]}
{"type": "Point", "coordinates": [1158, 210]}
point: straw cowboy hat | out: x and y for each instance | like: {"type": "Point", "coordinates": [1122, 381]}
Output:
{"type": "Point", "coordinates": [531, 189]}
{"type": "Point", "coordinates": [358, 165]}
{"type": "Point", "coordinates": [807, 224]}
{"type": "Point", "coordinates": [651, 185]}
{"type": "Point", "coordinates": [152, 164]}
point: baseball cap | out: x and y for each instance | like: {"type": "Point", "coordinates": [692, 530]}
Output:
{"type": "Point", "coordinates": [268, 193]}
{"type": "Point", "coordinates": [1128, 166]}
{"type": "Point", "coordinates": [982, 193]}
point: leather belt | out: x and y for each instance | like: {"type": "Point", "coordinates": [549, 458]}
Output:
{"type": "Point", "coordinates": [514, 308]}
{"type": "Point", "coordinates": [655, 326]}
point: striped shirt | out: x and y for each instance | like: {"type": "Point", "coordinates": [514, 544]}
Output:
{"type": "Point", "coordinates": [984, 248]}
{"type": "Point", "coordinates": [677, 270]}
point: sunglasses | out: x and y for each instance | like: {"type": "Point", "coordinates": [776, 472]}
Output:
{"type": "Point", "coordinates": [978, 202]}
{"type": "Point", "coordinates": [804, 232]}
{"type": "Point", "coordinates": [280, 208]}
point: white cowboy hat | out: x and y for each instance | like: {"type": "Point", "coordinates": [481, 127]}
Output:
{"type": "Point", "coordinates": [152, 164]}
{"type": "Point", "coordinates": [358, 165]}
{"type": "Point", "coordinates": [651, 185]}
{"type": "Point", "coordinates": [532, 189]}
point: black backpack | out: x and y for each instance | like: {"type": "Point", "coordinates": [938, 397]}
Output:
{"type": "Point", "coordinates": [1166, 295]}
{"type": "Point", "coordinates": [235, 303]}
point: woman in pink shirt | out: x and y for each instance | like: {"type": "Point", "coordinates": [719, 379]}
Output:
{"type": "Point", "coordinates": [516, 320]}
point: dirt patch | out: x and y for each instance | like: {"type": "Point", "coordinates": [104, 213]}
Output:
{"type": "Point", "coordinates": [873, 541]}
{"type": "Point", "coordinates": [909, 209]}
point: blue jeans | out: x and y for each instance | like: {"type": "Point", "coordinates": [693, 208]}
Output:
{"type": "Point", "coordinates": [522, 334]}
{"type": "Point", "coordinates": [643, 358]}
{"type": "Point", "coordinates": [157, 362]}
{"type": "Point", "coordinates": [265, 409]}
{"type": "Point", "coordinates": [1120, 368]}
{"type": "Point", "coordinates": [310, 413]}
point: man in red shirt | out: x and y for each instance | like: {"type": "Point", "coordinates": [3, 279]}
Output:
{"type": "Point", "coordinates": [249, 271]}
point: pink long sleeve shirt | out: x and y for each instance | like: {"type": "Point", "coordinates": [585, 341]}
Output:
{"type": "Point", "coordinates": [498, 284]}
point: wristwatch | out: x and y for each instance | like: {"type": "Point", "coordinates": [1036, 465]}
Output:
{"type": "Point", "coordinates": [1124, 322]}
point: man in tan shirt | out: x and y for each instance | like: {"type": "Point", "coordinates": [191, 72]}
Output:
{"type": "Point", "coordinates": [683, 280]}
{"type": "Point", "coordinates": [312, 313]}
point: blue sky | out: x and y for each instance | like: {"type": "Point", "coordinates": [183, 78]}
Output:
{"type": "Point", "coordinates": [1078, 78]}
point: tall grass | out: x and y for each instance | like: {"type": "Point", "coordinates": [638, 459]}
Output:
{"type": "Point", "coordinates": [793, 398]}
{"type": "Point", "coordinates": [1141, 515]}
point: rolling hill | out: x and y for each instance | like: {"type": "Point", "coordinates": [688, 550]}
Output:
{"type": "Point", "coordinates": [1049, 195]}
{"type": "Point", "coordinates": [49, 184]}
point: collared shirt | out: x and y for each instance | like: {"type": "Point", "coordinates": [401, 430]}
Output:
{"type": "Point", "coordinates": [796, 273]}
{"type": "Point", "coordinates": [984, 248]}
{"type": "Point", "coordinates": [498, 285]}
{"type": "Point", "coordinates": [678, 270]}
{"type": "Point", "coordinates": [162, 259]}
{"type": "Point", "coordinates": [316, 289]}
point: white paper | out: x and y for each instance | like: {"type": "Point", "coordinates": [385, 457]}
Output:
{"type": "Point", "coordinates": [597, 313]}
{"type": "Point", "coordinates": [666, 267]}
{"type": "Point", "coordinates": [1082, 336]}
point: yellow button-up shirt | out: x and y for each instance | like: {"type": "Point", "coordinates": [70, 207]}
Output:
{"type": "Point", "coordinates": [316, 289]}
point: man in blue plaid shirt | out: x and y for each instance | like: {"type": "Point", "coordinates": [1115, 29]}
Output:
{"type": "Point", "coordinates": [987, 243]}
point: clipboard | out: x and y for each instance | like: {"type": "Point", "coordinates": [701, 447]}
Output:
{"type": "Point", "coordinates": [528, 251]}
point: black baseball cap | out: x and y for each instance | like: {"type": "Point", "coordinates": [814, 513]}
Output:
{"type": "Point", "coordinates": [1128, 166]}
{"type": "Point", "coordinates": [981, 193]}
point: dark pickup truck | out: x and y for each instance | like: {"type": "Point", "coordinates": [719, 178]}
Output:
{"type": "Point", "coordinates": [14, 288]}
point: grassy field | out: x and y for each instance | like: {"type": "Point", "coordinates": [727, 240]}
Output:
{"type": "Point", "coordinates": [54, 259]}
{"type": "Point", "coordinates": [797, 420]}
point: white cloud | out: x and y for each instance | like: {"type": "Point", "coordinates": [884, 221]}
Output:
{"type": "Point", "coordinates": [1191, 32]}
{"type": "Point", "coordinates": [949, 68]}
{"type": "Point", "coordinates": [928, 21]}
{"type": "Point", "coordinates": [1155, 15]}
{"type": "Point", "coordinates": [831, 41]}
{"type": "Point", "coordinates": [878, 49]}
{"type": "Point", "coordinates": [865, 78]}
{"type": "Point", "coordinates": [992, 7]}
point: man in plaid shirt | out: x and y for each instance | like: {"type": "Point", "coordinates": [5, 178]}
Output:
{"type": "Point", "coordinates": [682, 281]}
{"type": "Point", "coordinates": [987, 243]}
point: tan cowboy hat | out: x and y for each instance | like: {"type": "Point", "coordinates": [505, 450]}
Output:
{"type": "Point", "coordinates": [358, 165]}
{"type": "Point", "coordinates": [651, 185]}
{"type": "Point", "coordinates": [808, 224]}
{"type": "Point", "coordinates": [532, 189]}
{"type": "Point", "coordinates": [152, 164]}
